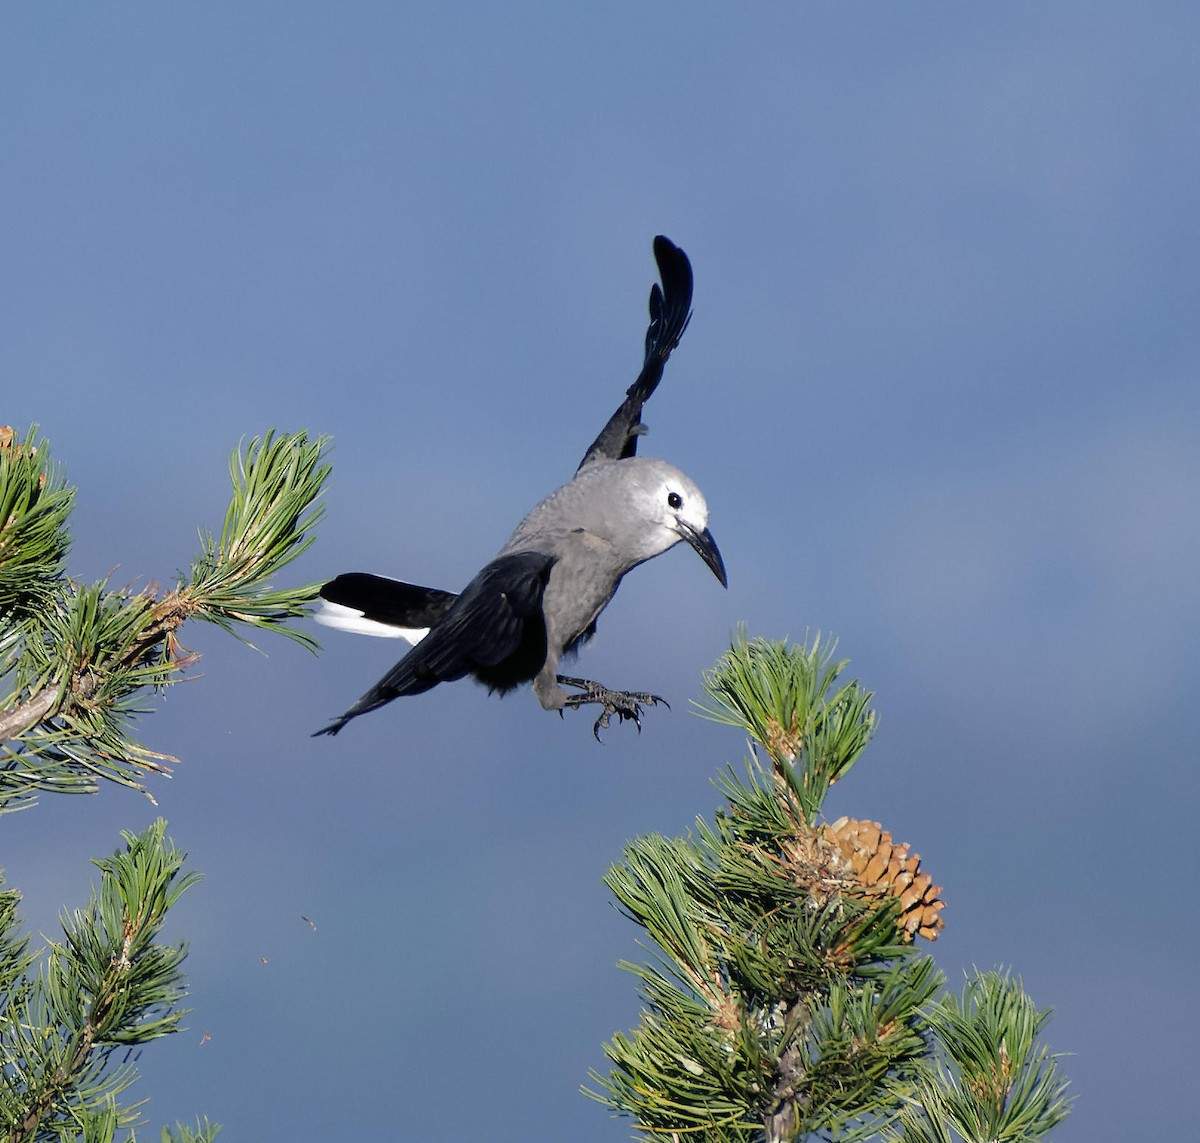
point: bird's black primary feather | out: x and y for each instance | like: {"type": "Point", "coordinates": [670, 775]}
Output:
{"type": "Point", "coordinates": [494, 631]}
{"type": "Point", "coordinates": [389, 601]}
{"type": "Point", "coordinates": [485, 629]}
{"type": "Point", "coordinates": [670, 312]}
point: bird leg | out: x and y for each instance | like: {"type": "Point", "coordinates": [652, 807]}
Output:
{"type": "Point", "coordinates": [624, 704]}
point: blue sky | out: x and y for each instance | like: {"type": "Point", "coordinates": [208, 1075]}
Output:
{"type": "Point", "coordinates": [940, 391]}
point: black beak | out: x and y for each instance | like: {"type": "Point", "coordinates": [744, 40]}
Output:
{"type": "Point", "coordinates": [706, 549]}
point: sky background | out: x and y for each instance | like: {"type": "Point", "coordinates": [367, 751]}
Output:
{"type": "Point", "coordinates": [940, 390]}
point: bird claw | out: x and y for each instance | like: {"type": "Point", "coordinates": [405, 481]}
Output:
{"type": "Point", "coordinates": [626, 705]}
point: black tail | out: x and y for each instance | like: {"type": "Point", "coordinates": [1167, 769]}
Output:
{"type": "Point", "coordinates": [389, 601]}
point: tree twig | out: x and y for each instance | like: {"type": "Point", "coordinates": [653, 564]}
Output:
{"type": "Point", "coordinates": [15, 722]}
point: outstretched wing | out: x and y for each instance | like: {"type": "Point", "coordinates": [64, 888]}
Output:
{"type": "Point", "coordinates": [374, 605]}
{"type": "Point", "coordinates": [670, 312]}
{"type": "Point", "coordinates": [495, 631]}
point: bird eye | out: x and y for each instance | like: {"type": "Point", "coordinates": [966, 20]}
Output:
{"type": "Point", "coordinates": [674, 500]}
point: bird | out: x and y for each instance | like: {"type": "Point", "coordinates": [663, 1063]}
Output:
{"type": "Point", "coordinates": [537, 602]}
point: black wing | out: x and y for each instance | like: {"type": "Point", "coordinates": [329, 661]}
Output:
{"type": "Point", "coordinates": [389, 601]}
{"type": "Point", "coordinates": [494, 630]}
{"type": "Point", "coordinates": [670, 312]}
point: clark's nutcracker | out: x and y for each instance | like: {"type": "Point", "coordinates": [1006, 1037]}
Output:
{"type": "Point", "coordinates": [538, 600]}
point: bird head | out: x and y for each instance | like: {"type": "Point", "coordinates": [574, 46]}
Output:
{"type": "Point", "coordinates": [674, 508]}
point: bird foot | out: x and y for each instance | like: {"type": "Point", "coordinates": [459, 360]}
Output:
{"type": "Point", "coordinates": [626, 705]}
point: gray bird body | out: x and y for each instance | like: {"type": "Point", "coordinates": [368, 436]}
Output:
{"type": "Point", "coordinates": [538, 599]}
{"type": "Point", "coordinates": [613, 516]}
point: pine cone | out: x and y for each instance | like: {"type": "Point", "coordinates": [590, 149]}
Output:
{"type": "Point", "coordinates": [884, 869]}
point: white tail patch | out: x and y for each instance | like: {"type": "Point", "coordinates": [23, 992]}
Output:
{"type": "Point", "coordinates": [349, 619]}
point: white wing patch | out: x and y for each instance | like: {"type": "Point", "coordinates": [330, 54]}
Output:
{"type": "Point", "coordinates": [350, 619]}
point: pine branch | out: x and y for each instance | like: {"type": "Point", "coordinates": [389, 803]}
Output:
{"type": "Point", "coordinates": [107, 987]}
{"type": "Point", "coordinates": [991, 1081]}
{"type": "Point", "coordinates": [787, 998]}
{"type": "Point", "coordinates": [83, 658]}
{"type": "Point", "coordinates": [15, 722]}
{"type": "Point", "coordinates": [276, 484]}
{"type": "Point", "coordinates": [784, 697]}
